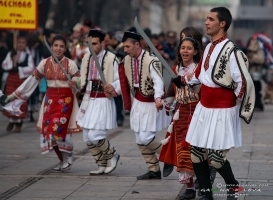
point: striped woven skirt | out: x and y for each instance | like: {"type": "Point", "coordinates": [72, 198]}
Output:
{"type": "Point", "coordinates": [177, 151]}
{"type": "Point", "coordinates": [13, 82]}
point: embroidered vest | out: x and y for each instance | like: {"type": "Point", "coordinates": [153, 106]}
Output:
{"type": "Point", "coordinates": [145, 80]}
{"type": "Point", "coordinates": [25, 62]}
{"type": "Point", "coordinates": [221, 75]}
{"type": "Point", "coordinates": [52, 73]}
{"type": "Point", "coordinates": [107, 66]}
{"type": "Point", "coordinates": [187, 94]}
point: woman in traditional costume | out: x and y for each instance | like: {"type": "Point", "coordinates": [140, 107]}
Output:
{"type": "Point", "coordinates": [18, 70]}
{"type": "Point", "coordinates": [57, 118]}
{"type": "Point", "coordinates": [177, 151]}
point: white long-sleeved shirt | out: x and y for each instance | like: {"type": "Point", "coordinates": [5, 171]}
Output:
{"type": "Point", "coordinates": [23, 71]}
{"type": "Point", "coordinates": [205, 76]}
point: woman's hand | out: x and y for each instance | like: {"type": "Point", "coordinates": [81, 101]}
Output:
{"type": "Point", "coordinates": [10, 98]}
{"type": "Point", "coordinates": [189, 77]}
{"type": "Point", "coordinates": [72, 84]}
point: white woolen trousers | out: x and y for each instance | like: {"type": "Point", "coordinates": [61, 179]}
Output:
{"type": "Point", "coordinates": [92, 136]}
{"type": "Point", "coordinates": [144, 137]}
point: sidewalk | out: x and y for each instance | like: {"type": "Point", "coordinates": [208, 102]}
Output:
{"type": "Point", "coordinates": [25, 173]}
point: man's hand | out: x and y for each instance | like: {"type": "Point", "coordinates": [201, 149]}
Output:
{"type": "Point", "coordinates": [177, 81]}
{"type": "Point", "coordinates": [10, 98]}
{"type": "Point", "coordinates": [108, 95]}
{"type": "Point", "coordinates": [158, 104]}
{"type": "Point", "coordinates": [110, 90]}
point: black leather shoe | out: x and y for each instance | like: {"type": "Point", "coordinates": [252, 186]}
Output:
{"type": "Point", "coordinates": [167, 169]}
{"type": "Point", "coordinates": [188, 194]}
{"type": "Point", "coordinates": [199, 193]}
{"type": "Point", "coordinates": [233, 192]}
{"type": "Point", "coordinates": [150, 175]}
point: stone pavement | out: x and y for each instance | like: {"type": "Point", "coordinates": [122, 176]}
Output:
{"type": "Point", "coordinates": [25, 173]}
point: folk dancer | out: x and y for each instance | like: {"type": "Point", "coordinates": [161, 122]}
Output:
{"type": "Point", "coordinates": [215, 126]}
{"type": "Point", "coordinates": [167, 156]}
{"type": "Point", "coordinates": [57, 117]}
{"type": "Point", "coordinates": [144, 74]}
{"type": "Point", "coordinates": [97, 111]}
{"type": "Point", "coordinates": [177, 151]}
{"type": "Point", "coordinates": [17, 74]}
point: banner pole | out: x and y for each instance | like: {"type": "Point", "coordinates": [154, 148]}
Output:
{"type": "Point", "coordinates": [15, 33]}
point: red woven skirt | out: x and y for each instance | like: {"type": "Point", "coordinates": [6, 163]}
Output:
{"type": "Point", "coordinates": [177, 151]}
{"type": "Point", "coordinates": [13, 82]}
{"type": "Point", "coordinates": [58, 107]}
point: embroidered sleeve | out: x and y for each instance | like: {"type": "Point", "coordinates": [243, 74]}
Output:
{"type": "Point", "coordinates": [37, 74]}
{"type": "Point", "coordinates": [73, 69]}
{"type": "Point", "coordinates": [26, 88]}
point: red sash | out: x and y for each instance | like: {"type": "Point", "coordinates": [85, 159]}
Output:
{"type": "Point", "coordinates": [217, 97]}
{"type": "Point", "coordinates": [97, 95]}
{"type": "Point", "coordinates": [141, 98]}
{"type": "Point", "coordinates": [58, 107]}
{"type": "Point", "coordinates": [125, 90]}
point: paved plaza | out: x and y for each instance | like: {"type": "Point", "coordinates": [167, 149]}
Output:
{"type": "Point", "coordinates": [25, 172]}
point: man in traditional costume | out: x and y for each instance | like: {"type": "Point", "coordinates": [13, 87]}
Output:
{"type": "Point", "coordinates": [97, 113]}
{"type": "Point", "coordinates": [57, 117]}
{"type": "Point", "coordinates": [143, 72]}
{"type": "Point", "coordinates": [215, 126]}
{"type": "Point", "coordinates": [18, 72]}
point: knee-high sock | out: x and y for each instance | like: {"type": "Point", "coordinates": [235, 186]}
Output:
{"type": "Point", "coordinates": [98, 155]}
{"type": "Point", "coordinates": [58, 152]}
{"type": "Point", "coordinates": [203, 176]}
{"type": "Point", "coordinates": [155, 145]}
{"type": "Point", "coordinates": [226, 172]}
{"type": "Point", "coordinates": [107, 150]}
{"type": "Point", "coordinates": [150, 158]}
